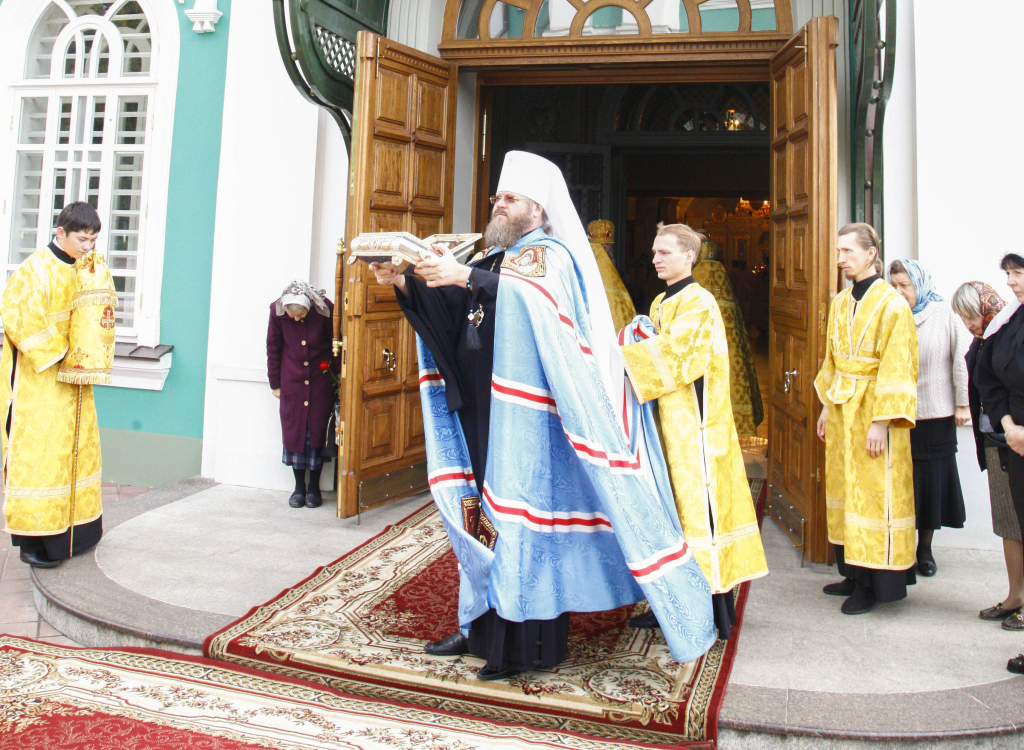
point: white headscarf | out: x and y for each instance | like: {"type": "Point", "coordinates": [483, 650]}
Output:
{"type": "Point", "coordinates": [301, 293]}
{"type": "Point", "coordinates": [541, 181]}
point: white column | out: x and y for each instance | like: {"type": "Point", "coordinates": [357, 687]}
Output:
{"type": "Point", "coordinates": [330, 201]}
{"type": "Point", "coordinates": [900, 145]}
{"type": "Point", "coordinates": [969, 157]}
{"type": "Point", "coordinates": [262, 240]}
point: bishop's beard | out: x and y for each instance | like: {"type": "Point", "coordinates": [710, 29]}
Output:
{"type": "Point", "coordinates": [505, 231]}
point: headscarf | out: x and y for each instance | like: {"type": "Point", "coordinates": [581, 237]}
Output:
{"type": "Point", "coordinates": [542, 181]}
{"type": "Point", "coordinates": [301, 293]}
{"type": "Point", "coordinates": [924, 287]}
{"type": "Point", "coordinates": [991, 302]}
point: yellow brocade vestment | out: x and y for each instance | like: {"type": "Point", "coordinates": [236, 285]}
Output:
{"type": "Point", "coordinates": [870, 374]}
{"type": "Point", "coordinates": [39, 443]}
{"type": "Point", "coordinates": [747, 409]}
{"type": "Point", "coordinates": [704, 458]}
{"type": "Point", "coordinates": [618, 298]}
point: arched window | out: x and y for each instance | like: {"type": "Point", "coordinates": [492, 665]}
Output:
{"type": "Point", "coordinates": [83, 124]}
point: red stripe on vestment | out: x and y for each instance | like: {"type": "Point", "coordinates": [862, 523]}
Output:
{"type": "Point", "coordinates": [661, 562]}
{"type": "Point", "coordinates": [523, 394]}
{"type": "Point", "coordinates": [540, 520]}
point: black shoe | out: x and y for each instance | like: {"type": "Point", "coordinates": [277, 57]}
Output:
{"type": "Point", "coordinates": [997, 612]}
{"type": "Point", "coordinates": [298, 499]}
{"type": "Point", "coordinates": [1014, 665]}
{"type": "Point", "coordinates": [450, 645]}
{"type": "Point", "coordinates": [647, 621]}
{"type": "Point", "coordinates": [313, 500]}
{"type": "Point", "coordinates": [488, 673]}
{"type": "Point", "coordinates": [39, 559]}
{"type": "Point", "coordinates": [843, 588]}
{"type": "Point", "coordinates": [861, 601]}
{"type": "Point", "coordinates": [926, 566]}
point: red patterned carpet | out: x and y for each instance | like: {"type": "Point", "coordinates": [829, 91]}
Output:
{"type": "Point", "coordinates": [56, 698]}
{"type": "Point", "coordinates": [358, 625]}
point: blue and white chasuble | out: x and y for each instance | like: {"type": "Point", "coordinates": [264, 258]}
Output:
{"type": "Point", "coordinates": [576, 488]}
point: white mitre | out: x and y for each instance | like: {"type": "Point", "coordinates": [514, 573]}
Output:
{"type": "Point", "coordinates": [542, 181]}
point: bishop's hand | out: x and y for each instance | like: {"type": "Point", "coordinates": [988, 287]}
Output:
{"type": "Point", "coordinates": [388, 275]}
{"type": "Point", "coordinates": [442, 270]}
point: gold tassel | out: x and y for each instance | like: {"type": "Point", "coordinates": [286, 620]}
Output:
{"type": "Point", "coordinates": [77, 376]}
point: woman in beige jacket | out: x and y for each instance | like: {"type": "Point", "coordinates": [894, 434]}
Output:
{"type": "Point", "coordinates": [942, 405]}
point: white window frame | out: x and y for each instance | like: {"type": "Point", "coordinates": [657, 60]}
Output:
{"type": "Point", "coordinates": [19, 19]}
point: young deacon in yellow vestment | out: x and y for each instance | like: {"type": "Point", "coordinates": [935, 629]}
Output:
{"type": "Point", "coordinates": [686, 367]}
{"type": "Point", "coordinates": [39, 411]}
{"type": "Point", "coordinates": [868, 384]}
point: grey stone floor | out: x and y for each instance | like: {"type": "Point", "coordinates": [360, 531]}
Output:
{"type": "Point", "coordinates": [795, 637]}
{"type": "Point", "coordinates": [18, 614]}
{"type": "Point", "coordinates": [233, 548]}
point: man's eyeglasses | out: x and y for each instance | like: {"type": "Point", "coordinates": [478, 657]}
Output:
{"type": "Point", "coordinates": [506, 198]}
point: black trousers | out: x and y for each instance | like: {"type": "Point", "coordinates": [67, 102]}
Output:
{"type": "Point", "coordinates": [888, 585]}
{"type": "Point", "coordinates": [534, 644]}
{"type": "Point", "coordinates": [58, 546]}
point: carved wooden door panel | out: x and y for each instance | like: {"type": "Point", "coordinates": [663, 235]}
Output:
{"type": "Point", "coordinates": [402, 167]}
{"type": "Point", "coordinates": [804, 160]}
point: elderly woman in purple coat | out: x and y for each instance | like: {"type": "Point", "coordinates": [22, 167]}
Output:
{"type": "Point", "coordinates": [299, 364]}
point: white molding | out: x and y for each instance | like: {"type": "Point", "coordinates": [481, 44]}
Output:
{"type": "Point", "coordinates": [204, 15]}
{"type": "Point", "coordinates": [241, 374]}
{"type": "Point", "coordinates": [140, 374]}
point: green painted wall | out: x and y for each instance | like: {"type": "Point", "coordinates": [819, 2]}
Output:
{"type": "Point", "coordinates": [188, 254]}
{"type": "Point", "coordinates": [148, 459]}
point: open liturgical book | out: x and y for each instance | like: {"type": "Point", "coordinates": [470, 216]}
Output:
{"type": "Point", "coordinates": [404, 250]}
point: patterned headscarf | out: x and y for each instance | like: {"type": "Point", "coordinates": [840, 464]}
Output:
{"type": "Point", "coordinates": [924, 287]}
{"type": "Point", "coordinates": [301, 293]}
{"type": "Point", "coordinates": [991, 302]}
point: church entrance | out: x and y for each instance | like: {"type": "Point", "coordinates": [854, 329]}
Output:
{"type": "Point", "coordinates": [640, 154]}
{"type": "Point", "coordinates": [735, 143]}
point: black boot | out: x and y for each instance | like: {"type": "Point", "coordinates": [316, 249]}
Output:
{"type": "Point", "coordinates": [450, 645]}
{"type": "Point", "coordinates": [843, 588]}
{"type": "Point", "coordinates": [861, 601]}
{"type": "Point", "coordinates": [648, 620]}
{"type": "Point", "coordinates": [925, 562]}
{"type": "Point", "coordinates": [298, 498]}
{"type": "Point", "coordinates": [313, 497]}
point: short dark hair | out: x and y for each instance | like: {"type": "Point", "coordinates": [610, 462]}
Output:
{"type": "Point", "coordinates": [79, 217]}
{"type": "Point", "coordinates": [1011, 261]}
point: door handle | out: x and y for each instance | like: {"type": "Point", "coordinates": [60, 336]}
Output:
{"type": "Point", "coordinates": [389, 359]}
{"type": "Point", "coordinates": [787, 380]}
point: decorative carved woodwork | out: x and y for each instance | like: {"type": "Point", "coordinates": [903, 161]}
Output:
{"type": "Point", "coordinates": [804, 196]}
{"type": "Point", "coordinates": [582, 46]}
{"type": "Point", "coordinates": [317, 41]}
{"type": "Point", "coordinates": [402, 174]}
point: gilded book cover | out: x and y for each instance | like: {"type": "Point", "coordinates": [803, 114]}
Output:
{"type": "Point", "coordinates": [404, 250]}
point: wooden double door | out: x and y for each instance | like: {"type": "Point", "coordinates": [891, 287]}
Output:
{"type": "Point", "coordinates": [402, 163]}
{"type": "Point", "coordinates": [402, 170]}
{"type": "Point", "coordinates": [804, 204]}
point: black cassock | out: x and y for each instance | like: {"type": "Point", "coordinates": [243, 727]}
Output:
{"type": "Point", "coordinates": [464, 354]}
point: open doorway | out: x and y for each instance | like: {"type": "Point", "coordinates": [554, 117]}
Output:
{"type": "Point", "coordinates": [640, 154]}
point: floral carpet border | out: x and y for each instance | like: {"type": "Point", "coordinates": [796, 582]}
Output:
{"type": "Point", "coordinates": [193, 695]}
{"type": "Point", "coordinates": [702, 707]}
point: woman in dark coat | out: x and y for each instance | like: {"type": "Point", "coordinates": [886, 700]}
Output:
{"type": "Point", "coordinates": [979, 305]}
{"type": "Point", "coordinates": [1000, 376]}
{"type": "Point", "coordinates": [299, 364]}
